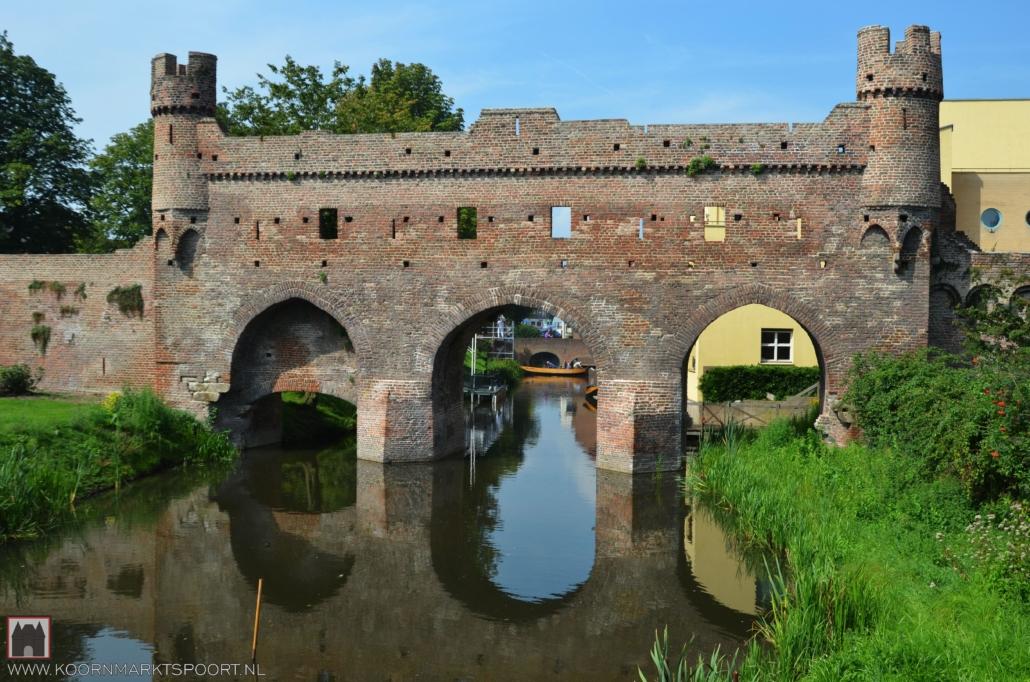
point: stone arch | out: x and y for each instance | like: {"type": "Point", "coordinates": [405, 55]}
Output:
{"type": "Point", "coordinates": [1021, 293]}
{"type": "Point", "coordinates": [284, 339]}
{"type": "Point", "coordinates": [540, 358]}
{"type": "Point", "coordinates": [160, 239]}
{"type": "Point", "coordinates": [457, 315]}
{"type": "Point", "coordinates": [829, 346]}
{"type": "Point", "coordinates": [441, 354]}
{"type": "Point", "coordinates": [187, 249]}
{"type": "Point", "coordinates": [875, 238]}
{"type": "Point", "coordinates": [942, 331]}
{"type": "Point", "coordinates": [911, 242]}
{"type": "Point", "coordinates": [317, 295]}
{"type": "Point", "coordinates": [983, 295]}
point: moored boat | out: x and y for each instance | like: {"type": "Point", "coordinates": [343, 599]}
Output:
{"type": "Point", "coordinates": [555, 371]}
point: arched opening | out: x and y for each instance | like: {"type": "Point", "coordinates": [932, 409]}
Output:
{"type": "Point", "coordinates": [1021, 299]}
{"type": "Point", "coordinates": [187, 250]}
{"type": "Point", "coordinates": [544, 359]}
{"type": "Point", "coordinates": [533, 440]}
{"type": "Point", "coordinates": [750, 365]}
{"type": "Point", "coordinates": [943, 330]}
{"type": "Point", "coordinates": [984, 297]}
{"type": "Point", "coordinates": [875, 238]}
{"type": "Point", "coordinates": [909, 251]}
{"type": "Point", "coordinates": [285, 357]}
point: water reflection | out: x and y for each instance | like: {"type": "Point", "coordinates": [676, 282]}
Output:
{"type": "Point", "coordinates": [516, 541]}
{"type": "Point", "coordinates": [538, 566]}
{"type": "Point", "coordinates": [296, 574]}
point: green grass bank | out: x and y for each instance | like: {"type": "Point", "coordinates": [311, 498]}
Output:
{"type": "Point", "coordinates": [54, 453]}
{"type": "Point", "coordinates": [902, 557]}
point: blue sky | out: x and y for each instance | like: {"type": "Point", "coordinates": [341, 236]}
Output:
{"type": "Point", "coordinates": [648, 62]}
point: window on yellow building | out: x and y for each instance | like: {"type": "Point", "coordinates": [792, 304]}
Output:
{"type": "Point", "coordinates": [777, 345]}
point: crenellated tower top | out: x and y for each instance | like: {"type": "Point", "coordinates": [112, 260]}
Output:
{"type": "Point", "coordinates": [913, 69]}
{"type": "Point", "coordinates": [183, 88]}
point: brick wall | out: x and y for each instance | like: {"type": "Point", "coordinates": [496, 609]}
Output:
{"type": "Point", "coordinates": [237, 225]}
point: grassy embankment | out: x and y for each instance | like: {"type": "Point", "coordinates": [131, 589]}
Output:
{"type": "Point", "coordinates": [54, 453]}
{"type": "Point", "coordinates": [908, 557]}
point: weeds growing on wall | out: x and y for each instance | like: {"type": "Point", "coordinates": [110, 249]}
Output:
{"type": "Point", "coordinates": [57, 289]}
{"type": "Point", "coordinates": [49, 465]}
{"type": "Point", "coordinates": [128, 299]}
{"type": "Point", "coordinates": [69, 311]}
{"type": "Point", "coordinates": [700, 164]}
{"type": "Point", "coordinates": [80, 291]}
{"type": "Point", "coordinates": [40, 335]}
{"type": "Point", "coordinates": [36, 286]}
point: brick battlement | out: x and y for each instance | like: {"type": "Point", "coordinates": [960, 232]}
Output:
{"type": "Point", "coordinates": [543, 143]}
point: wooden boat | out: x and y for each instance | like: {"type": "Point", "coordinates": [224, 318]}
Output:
{"type": "Point", "coordinates": [590, 395]}
{"type": "Point", "coordinates": [554, 371]}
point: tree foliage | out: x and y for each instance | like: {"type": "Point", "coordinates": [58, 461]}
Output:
{"type": "Point", "coordinates": [119, 210]}
{"type": "Point", "coordinates": [44, 183]}
{"type": "Point", "coordinates": [294, 98]}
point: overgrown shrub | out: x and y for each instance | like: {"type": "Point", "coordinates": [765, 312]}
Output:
{"type": "Point", "coordinates": [967, 420]}
{"type": "Point", "coordinates": [509, 370]}
{"type": "Point", "coordinates": [19, 379]}
{"type": "Point", "coordinates": [753, 382]}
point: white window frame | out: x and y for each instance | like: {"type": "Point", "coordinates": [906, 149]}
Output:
{"type": "Point", "coordinates": [776, 344]}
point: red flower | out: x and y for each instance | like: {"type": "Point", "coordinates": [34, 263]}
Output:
{"type": "Point", "coordinates": [1001, 412]}
{"type": "Point", "coordinates": [987, 391]}
{"type": "Point", "coordinates": [995, 454]}
{"type": "Point", "coordinates": [1002, 429]}
{"type": "Point", "coordinates": [1000, 403]}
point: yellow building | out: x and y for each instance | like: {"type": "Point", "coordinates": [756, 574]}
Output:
{"type": "Point", "coordinates": [985, 161]}
{"type": "Point", "coordinates": [749, 335]}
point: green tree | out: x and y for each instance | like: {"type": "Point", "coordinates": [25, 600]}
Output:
{"type": "Point", "coordinates": [397, 98]}
{"type": "Point", "coordinates": [119, 210]}
{"type": "Point", "coordinates": [44, 183]}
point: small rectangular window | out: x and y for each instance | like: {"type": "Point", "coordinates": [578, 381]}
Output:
{"type": "Point", "coordinates": [468, 222]}
{"type": "Point", "coordinates": [715, 216]}
{"type": "Point", "coordinates": [561, 222]}
{"type": "Point", "coordinates": [777, 345]}
{"type": "Point", "coordinates": [715, 224]}
{"type": "Point", "coordinates": [328, 227]}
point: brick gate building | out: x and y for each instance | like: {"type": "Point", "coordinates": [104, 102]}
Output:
{"type": "Point", "coordinates": [333, 263]}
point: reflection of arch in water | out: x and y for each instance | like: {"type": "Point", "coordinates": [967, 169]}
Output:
{"type": "Point", "coordinates": [468, 514]}
{"type": "Point", "coordinates": [296, 574]}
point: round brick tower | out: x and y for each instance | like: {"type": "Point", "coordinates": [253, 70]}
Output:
{"type": "Point", "coordinates": [180, 95]}
{"type": "Point", "coordinates": [903, 90]}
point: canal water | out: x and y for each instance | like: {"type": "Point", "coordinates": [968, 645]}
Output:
{"type": "Point", "coordinates": [523, 562]}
